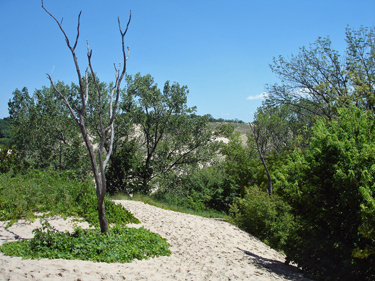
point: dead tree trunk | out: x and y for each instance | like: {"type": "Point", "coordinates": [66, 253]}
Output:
{"type": "Point", "coordinates": [97, 164]}
{"type": "Point", "coordinates": [256, 134]}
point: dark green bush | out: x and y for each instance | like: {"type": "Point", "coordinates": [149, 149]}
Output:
{"type": "Point", "coordinates": [122, 174]}
{"type": "Point", "coordinates": [266, 217]}
{"type": "Point", "coordinates": [322, 185]}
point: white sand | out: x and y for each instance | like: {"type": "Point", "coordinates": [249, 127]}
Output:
{"type": "Point", "coordinates": [202, 249]}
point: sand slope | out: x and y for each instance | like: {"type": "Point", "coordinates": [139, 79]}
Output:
{"type": "Point", "coordinates": [202, 249]}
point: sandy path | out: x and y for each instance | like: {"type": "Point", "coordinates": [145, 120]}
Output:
{"type": "Point", "coordinates": [202, 249]}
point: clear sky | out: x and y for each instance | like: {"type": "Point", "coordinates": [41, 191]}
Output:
{"type": "Point", "coordinates": [220, 49]}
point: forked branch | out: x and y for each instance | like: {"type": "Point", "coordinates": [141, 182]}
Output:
{"type": "Point", "coordinates": [72, 49]}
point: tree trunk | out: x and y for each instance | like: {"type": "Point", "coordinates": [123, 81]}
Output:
{"type": "Point", "coordinates": [256, 137]}
{"type": "Point", "coordinates": [102, 217]}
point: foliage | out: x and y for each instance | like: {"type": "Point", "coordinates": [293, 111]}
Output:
{"type": "Point", "coordinates": [200, 189]}
{"type": "Point", "coordinates": [168, 139]}
{"type": "Point", "coordinates": [44, 133]}
{"type": "Point", "coordinates": [323, 186]}
{"type": "Point", "coordinates": [119, 245]}
{"type": "Point", "coordinates": [367, 229]}
{"type": "Point", "coordinates": [212, 119]}
{"type": "Point", "coordinates": [240, 162]}
{"type": "Point", "coordinates": [318, 80]}
{"type": "Point", "coordinates": [10, 160]}
{"type": "Point", "coordinates": [57, 193]}
{"type": "Point", "coordinates": [5, 131]}
{"type": "Point", "coordinates": [266, 217]}
{"type": "Point", "coordinates": [122, 173]}
{"type": "Point", "coordinates": [280, 128]}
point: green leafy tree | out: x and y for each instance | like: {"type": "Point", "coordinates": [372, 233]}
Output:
{"type": "Point", "coordinates": [240, 162]}
{"type": "Point", "coordinates": [318, 80]}
{"type": "Point", "coordinates": [44, 133]}
{"type": "Point", "coordinates": [275, 130]}
{"type": "Point", "coordinates": [326, 187]}
{"type": "Point", "coordinates": [168, 139]}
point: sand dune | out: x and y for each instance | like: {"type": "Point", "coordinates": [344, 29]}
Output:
{"type": "Point", "coordinates": [202, 249]}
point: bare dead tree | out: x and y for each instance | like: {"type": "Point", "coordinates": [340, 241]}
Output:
{"type": "Point", "coordinates": [97, 163]}
{"type": "Point", "coordinates": [256, 133]}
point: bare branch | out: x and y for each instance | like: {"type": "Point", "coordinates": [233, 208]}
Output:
{"type": "Point", "coordinates": [111, 124]}
{"type": "Point", "coordinates": [79, 23]}
{"type": "Point", "coordinates": [87, 87]}
{"type": "Point", "coordinates": [123, 69]}
{"type": "Point", "coordinates": [89, 55]}
{"type": "Point", "coordinates": [72, 50]}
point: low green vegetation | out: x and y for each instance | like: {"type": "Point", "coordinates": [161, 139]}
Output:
{"type": "Point", "coordinates": [119, 245]}
{"type": "Point", "coordinates": [55, 193]}
{"type": "Point", "coordinates": [63, 193]}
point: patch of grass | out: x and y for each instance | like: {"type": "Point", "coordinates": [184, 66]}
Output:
{"type": "Point", "coordinates": [119, 245]}
{"type": "Point", "coordinates": [58, 193]}
{"type": "Point", "coordinates": [169, 205]}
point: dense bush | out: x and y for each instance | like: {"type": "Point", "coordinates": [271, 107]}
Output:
{"type": "Point", "coordinates": [202, 189]}
{"type": "Point", "coordinates": [323, 186]}
{"type": "Point", "coordinates": [124, 168]}
{"type": "Point", "coordinates": [10, 160]}
{"type": "Point", "coordinates": [266, 217]}
{"type": "Point", "coordinates": [5, 131]}
{"type": "Point", "coordinates": [56, 193]}
{"type": "Point", "coordinates": [119, 245]}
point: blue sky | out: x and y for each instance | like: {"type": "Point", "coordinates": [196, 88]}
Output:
{"type": "Point", "coordinates": [220, 49]}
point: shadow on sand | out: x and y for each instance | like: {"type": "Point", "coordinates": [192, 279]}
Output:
{"type": "Point", "coordinates": [288, 272]}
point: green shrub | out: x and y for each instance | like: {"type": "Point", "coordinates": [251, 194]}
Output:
{"type": "Point", "coordinates": [266, 217]}
{"type": "Point", "coordinates": [10, 160]}
{"type": "Point", "coordinates": [200, 190]}
{"type": "Point", "coordinates": [119, 245]}
{"type": "Point", "coordinates": [325, 186]}
{"type": "Point", "coordinates": [122, 174]}
{"type": "Point", "coordinates": [57, 193]}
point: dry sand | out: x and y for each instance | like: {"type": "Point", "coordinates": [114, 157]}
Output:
{"type": "Point", "coordinates": [202, 249]}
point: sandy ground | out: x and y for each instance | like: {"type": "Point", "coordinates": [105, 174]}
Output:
{"type": "Point", "coordinates": [202, 249]}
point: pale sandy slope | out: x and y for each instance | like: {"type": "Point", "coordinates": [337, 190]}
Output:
{"type": "Point", "coordinates": [202, 249]}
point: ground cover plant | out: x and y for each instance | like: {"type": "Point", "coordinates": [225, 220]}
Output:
{"type": "Point", "coordinates": [119, 245]}
{"type": "Point", "coordinates": [62, 193]}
